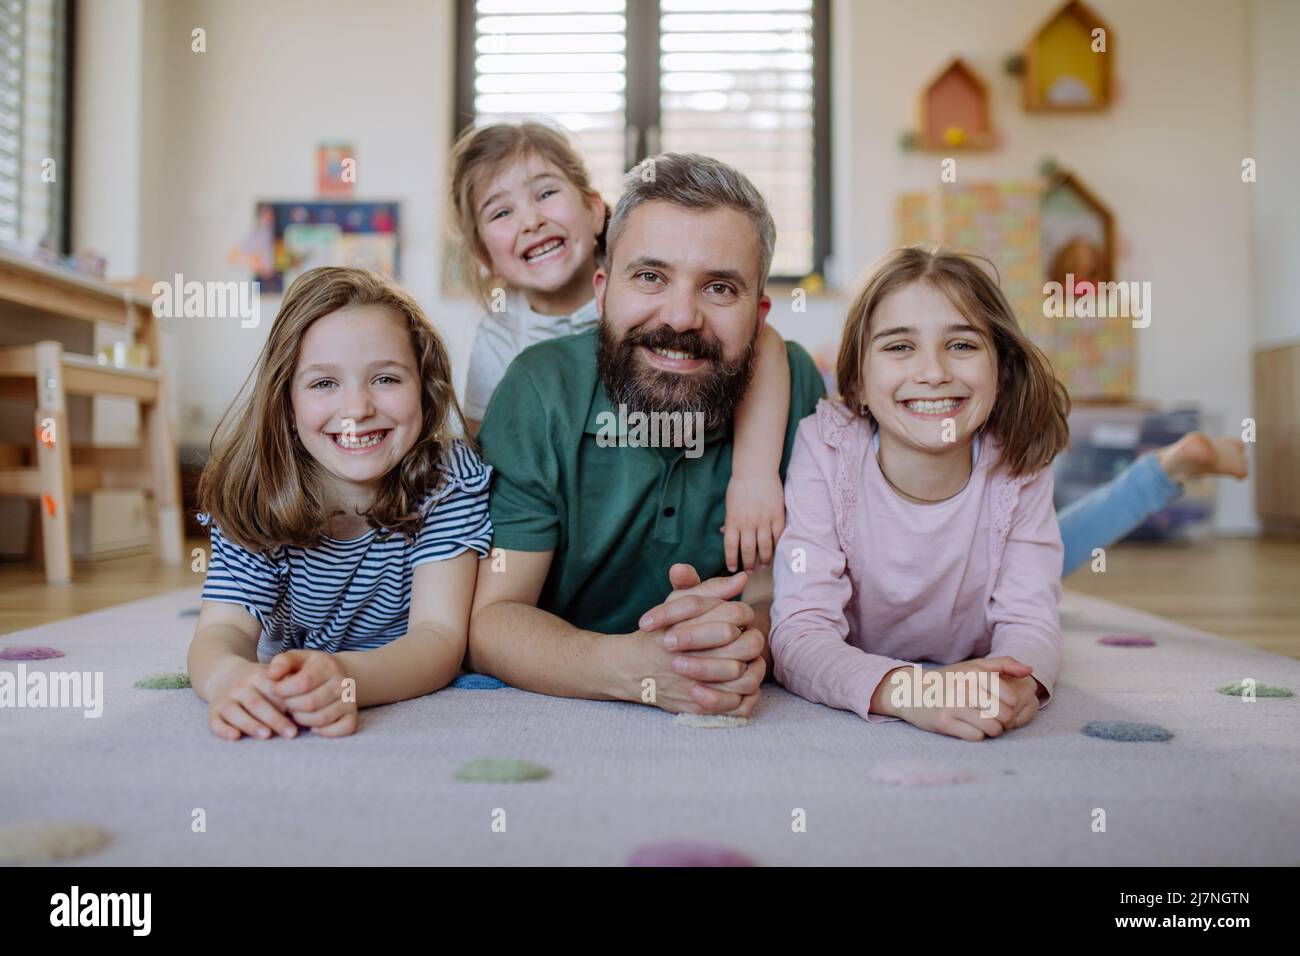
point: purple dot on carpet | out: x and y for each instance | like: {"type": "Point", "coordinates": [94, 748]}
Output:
{"type": "Point", "coordinates": [687, 853]}
{"type": "Point", "coordinates": [1127, 640]}
{"type": "Point", "coordinates": [917, 773]}
{"type": "Point", "coordinates": [477, 682]}
{"type": "Point", "coordinates": [29, 653]}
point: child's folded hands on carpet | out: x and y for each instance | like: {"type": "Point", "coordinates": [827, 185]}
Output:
{"type": "Point", "coordinates": [316, 690]}
{"type": "Point", "coordinates": [1017, 699]}
{"type": "Point", "coordinates": [242, 700]}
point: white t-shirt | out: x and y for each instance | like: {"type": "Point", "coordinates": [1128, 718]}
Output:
{"type": "Point", "coordinates": [503, 335]}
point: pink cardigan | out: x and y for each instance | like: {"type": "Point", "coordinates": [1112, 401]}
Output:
{"type": "Point", "coordinates": [867, 581]}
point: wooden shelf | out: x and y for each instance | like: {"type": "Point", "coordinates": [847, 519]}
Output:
{"type": "Point", "coordinates": [46, 374]}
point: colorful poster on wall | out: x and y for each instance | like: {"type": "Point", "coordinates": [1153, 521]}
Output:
{"type": "Point", "coordinates": [1094, 358]}
{"type": "Point", "coordinates": [303, 235]}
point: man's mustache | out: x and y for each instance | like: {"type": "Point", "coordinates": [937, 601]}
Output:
{"type": "Point", "coordinates": [692, 342]}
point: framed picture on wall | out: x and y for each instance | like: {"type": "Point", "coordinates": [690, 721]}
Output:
{"type": "Point", "coordinates": [303, 235]}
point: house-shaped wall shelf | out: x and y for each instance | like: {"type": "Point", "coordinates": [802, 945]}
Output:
{"type": "Point", "coordinates": [1093, 352]}
{"type": "Point", "coordinates": [955, 111]}
{"type": "Point", "coordinates": [1078, 232]}
{"type": "Point", "coordinates": [1062, 72]}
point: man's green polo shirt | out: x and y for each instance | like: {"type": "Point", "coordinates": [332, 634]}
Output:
{"type": "Point", "coordinates": [616, 517]}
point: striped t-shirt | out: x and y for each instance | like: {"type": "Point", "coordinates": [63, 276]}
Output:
{"type": "Point", "coordinates": [356, 594]}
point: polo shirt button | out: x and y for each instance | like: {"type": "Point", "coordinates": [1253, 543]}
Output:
{"type": "Point", "coordinates": [669, 512]}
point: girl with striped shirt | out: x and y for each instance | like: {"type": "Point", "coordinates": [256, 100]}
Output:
{"type": "Point", "coordinates": [346, 518]}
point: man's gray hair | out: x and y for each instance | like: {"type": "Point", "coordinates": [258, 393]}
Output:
{"type": "Point", "coordinates": [695, 182]}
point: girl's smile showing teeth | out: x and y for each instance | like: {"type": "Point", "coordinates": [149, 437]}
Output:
{"type": "Point", "coordinates": [362, 441]}
{"type": "Point", "coordinates": [932, 407]}
{"type": "Point", "coordinates": [543, 251]}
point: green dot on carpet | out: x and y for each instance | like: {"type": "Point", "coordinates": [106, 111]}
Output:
{"type": "Point", "coordinates": [500, 770]}
{"type": "Point", "coordinates": [1238, 689]}
{"type": "Point", "coordinates": [164, 682]}
{"type": "Point", "coordinates": [1127, 730]}
{"type": "Point", "coordinates": [44, 842]}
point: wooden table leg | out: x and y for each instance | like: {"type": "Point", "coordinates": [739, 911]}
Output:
{"type": "Point", "coordinates": [54, 461]}
{"type": "Point", "coordinates": [164, 466]}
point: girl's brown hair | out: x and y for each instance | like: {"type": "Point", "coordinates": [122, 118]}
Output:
{"type": "Point", "coordinates": [479, 153]}
{"type": "Point", "coordinates": [261, 487]}
{"type": "Point", "coordinates": [1030, 410]}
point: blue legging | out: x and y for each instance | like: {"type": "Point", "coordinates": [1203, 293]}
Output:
{"type": "Point", "coordinates": [1106, 514]}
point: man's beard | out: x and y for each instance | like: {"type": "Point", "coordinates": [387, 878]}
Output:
{"type": "Point", "coordinates": [629, 381]}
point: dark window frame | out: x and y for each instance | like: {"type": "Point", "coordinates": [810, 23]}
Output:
{"type": "Point", "coordinates": [643, 105]}
{"type": "Point", "coordinates": [69, 100]}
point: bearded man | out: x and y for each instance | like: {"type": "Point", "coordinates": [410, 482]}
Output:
{"type": "Point", "coordinates": [606, 579]}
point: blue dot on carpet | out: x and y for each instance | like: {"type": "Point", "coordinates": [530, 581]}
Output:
{"type": "Point", "coordinates": [477, 682]}
{"type": "Point", "coordinates": [1127, 730]}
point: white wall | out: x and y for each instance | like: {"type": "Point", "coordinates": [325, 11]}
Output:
{"type": "Point", "coordinates": [241, 122]}
{"type": "Point", "coordinates": [1275, 122]}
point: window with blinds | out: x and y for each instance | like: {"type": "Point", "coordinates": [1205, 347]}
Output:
{"type": "Point", "coordinates": [563, 59]}
{"type": "Point", "coordinates": [741, 80]}
{"type": "Point", "coordinates": [32, 81]}
{"type": "Point", "coordinates": [736, 83]}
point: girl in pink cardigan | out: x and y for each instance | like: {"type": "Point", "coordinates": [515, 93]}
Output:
{"type": "Point", "coordinates": [919, 509]}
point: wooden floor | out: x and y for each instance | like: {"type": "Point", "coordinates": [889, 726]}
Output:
{"type": "Point", "coordinates": [1245, 589]}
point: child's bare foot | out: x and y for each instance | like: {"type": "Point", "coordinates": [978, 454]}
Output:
{"type": "Point", "coordinates": [1198, 454]}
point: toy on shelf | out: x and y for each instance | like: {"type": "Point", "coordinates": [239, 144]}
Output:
{"type": "Point", "coordinates": [1067, 63]}
{"type": "Point", "coordinates": [955, 111]}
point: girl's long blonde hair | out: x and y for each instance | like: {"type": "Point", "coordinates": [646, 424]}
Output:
{"type": "Point", "coordinates": [261, 487]}
{"type": "Point", "coordinates": [1030, 411]}
{"type": "Point", "coordinates": [480, 152]}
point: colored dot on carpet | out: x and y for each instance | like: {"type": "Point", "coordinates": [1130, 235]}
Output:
{"type": "Point", "coordinates": [500, 770]}
{"type": "Point", "coordinates": [477, 682]}
{"type": "Point", "coordinates": [709, 721]}
{"type": "Point", "coordinates": [1238, 689]}
{"type": "Point", "coordinates": [917, 773]}
{"type": "Point", "coordinates": [44, 842]}
{"type": "Point", "coordinates": [1126, 730]}
{"type": "Point", "coordinates": [30, 653]}
{"type": "Point", "coordinates": [1127, 640]}
{"type": "Point", "coordinates": [164, 682]}
{"type": "Point", "coordinates": [687, 853]}
{"type": "Point", "coordinates": [190, 612]}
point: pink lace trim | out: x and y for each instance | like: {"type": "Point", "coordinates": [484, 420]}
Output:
{"type": "Point", "coordinates": [1006, 495]}
{"type": "Point", "coordinates": [843, 431]}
